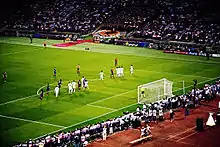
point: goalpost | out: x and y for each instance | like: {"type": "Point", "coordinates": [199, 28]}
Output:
{"type": "Point", "coordinates": [155, 91]}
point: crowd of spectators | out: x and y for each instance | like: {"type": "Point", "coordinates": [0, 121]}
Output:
{"type": "Point", "coordinates": [179, 20]}
{"type": "Point", "coordinates": [64, 15]}
{"type": "Point", "coordinates": [147, 113]}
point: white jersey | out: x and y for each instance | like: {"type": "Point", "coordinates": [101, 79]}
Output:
{"type": "Point", "coordinates": [86, 83]}
{"type": "Point", "coordinates": [142, 131]}
{"type": "Point", "coordinates": [150, 112]}
{"type": "Point", "coordinates": [160, 112]}
{"type": "Point", "coordinates": [122, 71]}
{"type": "Point", "coordinates": [117, 72]}
{"type": "Point", "coordinates": [154, 113]}
{"type": "Point", "coordinates": [144, 107]}
{"type": "Point", "coordinates": [131, 69]}
{"type": "Point", "coordinates": [101, 75]}
{"type": "Point", "coordinates": [82, 81]}
{"type": "Point", "coordinates": [74, 85]}
{"type": "Point", "coordinates": [56, 90]}
{"type": "Point", "coordinates": [70, 86]}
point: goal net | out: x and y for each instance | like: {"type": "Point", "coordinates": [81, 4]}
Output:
{"type": "Point", "coordinates": [155, 91]}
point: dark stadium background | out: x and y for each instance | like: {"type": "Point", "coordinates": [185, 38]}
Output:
{"type": "Point", "coordinates": [7, 7]}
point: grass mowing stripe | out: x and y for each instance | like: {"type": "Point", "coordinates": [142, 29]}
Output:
{"type": "Point", "coordinates": [12, 53]}
{"type": "Point", "coordinates": [112, 96]}
{"type": "Point", "coordinates": [87, 120]}
{"type": "Point", "coordinates": [173, 73]}
{"type": "Point", "coordinates": [110, 52]}
{"type": "Point", "coordinates": [114, 111]}
{"type": "Point", "coordinates": [23, 98]}
{"type": "Point", "coordinates": [100, 107]}
{"type": "Point", "coordinates": [32, 121]}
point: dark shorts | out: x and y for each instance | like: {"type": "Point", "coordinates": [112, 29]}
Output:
{"type": "Point", "coordinates": [142, 92]}
{"type": "Point", "coordinates": [154, 118]}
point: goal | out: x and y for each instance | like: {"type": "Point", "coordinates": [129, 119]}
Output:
{"type": "Point", "coordinates": [155, 91]}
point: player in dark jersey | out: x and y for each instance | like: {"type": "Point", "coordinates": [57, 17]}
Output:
{"type": "Point", "coordinates": [4, 77]}
{"type": "Point", "coordinates": [31, 38]}
{"type": "Point", "coordinates": [54, 72]}
{"type": "Point", "coordinates": [78, 70]}
{"type": "Point", "coordinates": [45, 44]}
{"type": "Point", "coordinates": [41, 94]}
{"type": "Point", "coordinates": [48, 89]}
{"type": "Point", "coordinates": [79, 85]}
{"type": "Point", "coordinates": [59, 83]}
{"type": "Point", "coordinates": [112, 73]}
{"type": "Point", "coordinates": [116, 61]}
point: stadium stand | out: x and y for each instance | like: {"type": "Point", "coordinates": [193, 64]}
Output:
{"type": "Point", "coordinates": [160, 20]}
{"type": "Point", "coordinates": [82, 136]}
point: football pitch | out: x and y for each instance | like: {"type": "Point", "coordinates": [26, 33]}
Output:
{"type": "Point", "coordinates": [30, 67]}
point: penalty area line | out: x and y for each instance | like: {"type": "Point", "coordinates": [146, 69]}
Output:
{"type": "Point", "coordinates": [112, 96]}
{"type": "Point", "coordinates": [23, 98]}
{"type": "Point", "coordinates": [32, 121]}
{"type": "Point", "coordinates": [100, 107]}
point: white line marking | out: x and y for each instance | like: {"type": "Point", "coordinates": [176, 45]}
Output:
{"type": "Point", "coordinates": [11, 53]}
{"type": "Point", "coordinates": [112, 96]}
{"type": "Point", "coordinates": [109, 52]}
{"type": "Point", "coordinates": [17, 100]}
{"type": "Point", "coordinates": [86, 120]}
{"type": "Point", "coordinates": [109, 113]}
{"type": "Point", "coordinates": [172, 73]}
{"type": "Point", "coordinates": [101, 107]}
{"type": "Point", "coordinates": [32, 121]}
{"type": "Point", "coordinates": [186, 136]}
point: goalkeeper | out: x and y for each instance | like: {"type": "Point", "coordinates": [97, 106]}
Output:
{"type": "Point", "coordinates": [142, 92]}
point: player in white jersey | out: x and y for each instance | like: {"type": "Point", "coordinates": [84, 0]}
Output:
{"type": "Point", "coordinates": [83, 82]}
{"type": "Point", "coordinates": [117, 72]}
{"type": "Point", "coordinates": [70, 87]}
{"type": "Point", "coordinates": [131, 69]}
{"type": "Point", "coordinates": [56, 90]}
{"type": "Point", "coordinates": [122, 71]}
{"type": "Point", "coordinates": [86, 84]}
{"type": "Point", "coordinates": [74, 86]}
{"type": "Point", "coordinates": [101, 74]}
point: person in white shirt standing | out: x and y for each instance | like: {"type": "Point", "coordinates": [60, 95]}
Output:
{"type": "Point", "coordinates": [70, 86]}
{"type": "Point", "coordinates": [101, 74]}
{"type": "Point", "coordinates": [161, 118]}
{"type": "Point", "coordinates": [56, 91]}
{"type": "Point", "coordinates": [155, 115]}
{"type": "Point", "coordinates": [131, 69]}
{"type": "Point", "coordinates": [74, 86]}
{"type": "Point", "coordinates": [150, 114]}
{"type": "Point", "coordinates": [104, 133]}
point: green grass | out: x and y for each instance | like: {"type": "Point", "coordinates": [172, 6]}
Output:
{"type": "Point", "coordinates": [30, 67]}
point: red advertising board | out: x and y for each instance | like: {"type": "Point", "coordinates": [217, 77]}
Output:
{"type": "Point", "coordinates": [180, 52]}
